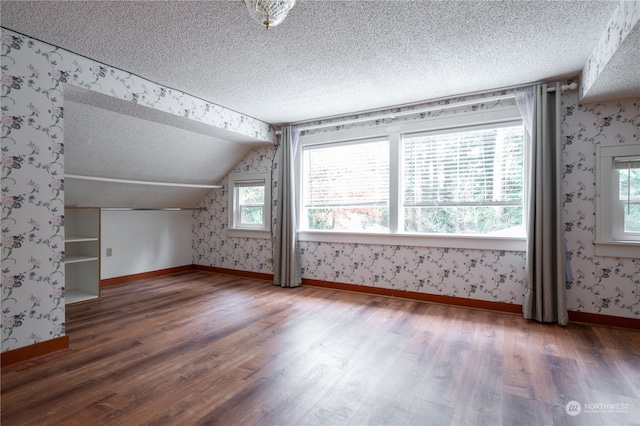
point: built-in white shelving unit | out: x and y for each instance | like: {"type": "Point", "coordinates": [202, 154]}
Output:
{"type": "Point", "coordinates": [81, 254]}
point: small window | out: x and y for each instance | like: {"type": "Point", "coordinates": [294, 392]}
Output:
{"type": "Point", "coordinates": [618, 201]}
{"type": "Point", "coordinates": [626, 218]}
{"type": "Point", "coordinates": [250, 205]}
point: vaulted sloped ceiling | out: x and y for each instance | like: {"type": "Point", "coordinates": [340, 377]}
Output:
{"type": "Point", "coordinates": [111, 138]}
{"type": "Point", "coordinates": [327, 58]}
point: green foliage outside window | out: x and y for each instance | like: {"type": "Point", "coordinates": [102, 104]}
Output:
{"type": "Point", "coordinates": [251, 200]}
{"type": "Point", "coordinates": [337, 219]}
{"type": "Point", "coordinates": [630, 195]}
{"type": "Point", "coordinates": [462, 220]}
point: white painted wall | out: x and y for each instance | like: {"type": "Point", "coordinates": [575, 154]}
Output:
{"type": "Point", "coordinates": [144, 241]}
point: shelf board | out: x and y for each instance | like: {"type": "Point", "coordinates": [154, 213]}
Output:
{"type": "Point", "coordinates": [79, 239]}
{"type": "Point", "coordinates": [74, 296]}
{"type": "Point", "coordinates": [75, 258]}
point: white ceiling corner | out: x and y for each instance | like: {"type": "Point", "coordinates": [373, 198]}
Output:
{"type": "Point", "coordinates": [620, 78]}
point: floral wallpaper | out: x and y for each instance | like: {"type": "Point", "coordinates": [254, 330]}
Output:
{"type": "Point", "coordinates": [212, 246]}
{"type": "Point", "coordinates": [624, 19]}
{"type": "Point", "coordinates": [33, 76]}
{"type": "Point", "coordinates": [602, 285]}
{"type": "Point", "coordinates": [496, 276]}
{"type": "Point", "coordinates": [32, 195]}
{"type": "Point", "coordinates": [430, 110]}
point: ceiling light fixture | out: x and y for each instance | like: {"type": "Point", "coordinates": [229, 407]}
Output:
{"type": "Point", "coordinates": [269, 12]}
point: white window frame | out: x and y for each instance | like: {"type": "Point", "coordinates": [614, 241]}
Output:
{"type": "Point", "coordinates": [236, 181]}
{"type": "Point", "coordinates": [610, 241]}
{"type": "Point", "coordinates": [394, 133]}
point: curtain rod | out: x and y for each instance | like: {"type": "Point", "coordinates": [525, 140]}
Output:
{"type": "Point", "coordinates": [167, 209]}
{"type": "Point", "coordinates": [140, 182]}
{"type": "Point", "coordinates": [572, 85]}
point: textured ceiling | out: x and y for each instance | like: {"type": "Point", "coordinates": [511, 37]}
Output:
{"type": "Point", "coordinates": [328, 57]}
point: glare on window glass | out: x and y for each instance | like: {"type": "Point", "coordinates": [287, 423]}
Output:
{"type": "Point", "coordinates": [251, 201]}
{"type": "Point", "coordinates": [252, 195]}
{"type": "Point", "coordinates": [346, 187]}
{"type": "Point", "coordinates": [251, 215]}
{"type": "Point", "coordinates": [467, 182]}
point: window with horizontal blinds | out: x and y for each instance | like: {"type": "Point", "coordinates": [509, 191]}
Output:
{"type": "Point", "coordinates": [623, 163]}
{"type": "Point", "coordinates": [464, 181]}
{"type": "Point", "coordinates": [249, 183]}
{"type": "Point", "coordinates": [346, 186]}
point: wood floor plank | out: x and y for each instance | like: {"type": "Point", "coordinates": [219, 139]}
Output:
{"type": "Point", "coordinates": [476, 403]}
{"type": "Point", "coordinates": [525, 371]}
{"type": "Point", "coordinates": [370, 357]}
{"type": "Point", "coordinates": [517, 410]}
{"type": "Point", "coordinates": [205, 348]}
{"type": "Point", "coordinates": [624, 354]}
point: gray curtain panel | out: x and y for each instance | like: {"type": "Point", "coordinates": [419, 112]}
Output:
{"type": "Point", "coordinates": [544, 293]}
{"type": "Point", "coordinates": [286, 254]}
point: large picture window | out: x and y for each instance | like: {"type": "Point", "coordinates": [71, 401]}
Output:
{"type": "Point", "coordinates": [435, 182]}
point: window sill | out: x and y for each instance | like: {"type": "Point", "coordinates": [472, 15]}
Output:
{"type": "Point", "coordinates": [418, 240]}
{"type": "Point", "coordinates": [249, 233]}
{"type": "Point", "coordinates": [618, 249]}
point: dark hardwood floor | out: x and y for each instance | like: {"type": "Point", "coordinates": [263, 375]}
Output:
{"type": "Point", "coordinates": [203, 348]}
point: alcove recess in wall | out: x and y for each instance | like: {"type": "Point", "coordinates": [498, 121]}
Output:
{"type": "Point", "coordinates": [127, 143]}
{"type": "Point", "coordinates": [81, 254]}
